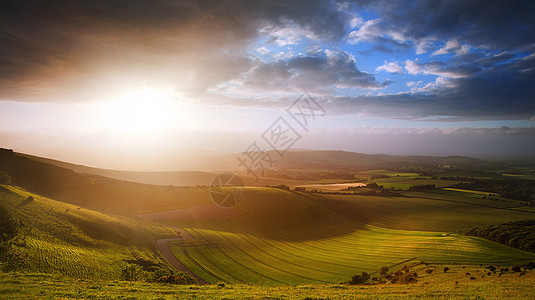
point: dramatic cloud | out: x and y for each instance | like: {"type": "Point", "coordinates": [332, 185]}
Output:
{"type": "Point", "coordinates": [493, 24]}
{"type": "Point", "coordinates": [465, 60]}
{"type": "Point", "coordinates": [453, 46]}
{"type": "Point", "coordinates": [60, 50]}
{"type": "Point", "coordinates": [318, 73]}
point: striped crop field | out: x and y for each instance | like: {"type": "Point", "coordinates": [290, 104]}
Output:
{"type": "Point", "coordinates": [283, 237]}
{"type": "Point", "coordinates": [61, 238]}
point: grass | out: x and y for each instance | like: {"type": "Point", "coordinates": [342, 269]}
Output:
{"type": "Point", "coordinates": [404, 183]}
{"type": "Point", "coordinates": [472, 192]}
{"type": "Point", "coordinates": [464, 197]}
{"type": "Point", "coordinates": [61, 238]}
{"type": "Point", "coordinates": [286, 238]}
{"type": "Point", "coordinates": [474, 174]}
{"type": "Point", "coordinates": [422, 211]}
{"type": "Point", "coordinates": [452, 285]}
{"type": "Point", "coordinates": [525, 208]}
{"type": "Point", "coordinates": [389, 173]}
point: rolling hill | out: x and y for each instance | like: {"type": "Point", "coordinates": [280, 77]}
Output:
{"type": "Point", "coordinates": [272, 237]}
{"type": "Point", "coordinates": [64, 239]}
{"type": "Point", "coordinates": [280, 237]}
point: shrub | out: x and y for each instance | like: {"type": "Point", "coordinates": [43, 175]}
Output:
{"type": "Point", "coordinates": [8, 225]}
{"type": "Point", "coordinates": [4, 178]}
{"type": "Point", "coordinates": [359, 279]}
{"type": "Point", "coordinates": [132, 272]}
{"type": "Point", "coordinates": [169, 276]}
{"type": "Point", "coordinates": [405, 278]}
{"type": "Point", "coordinates": [383, 270]}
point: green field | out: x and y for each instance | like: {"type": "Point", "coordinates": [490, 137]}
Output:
{"type": "Point", "coordinates": [291, 238]}
{"type": "Point", "coordinates": [472, 192]}
{"type": "Point", "coordinates": [389, 173]}
{"type": "Point", "coordinates": [61, 238]}
{"type": "Point", "coordinates": [404, 183]}
{"type": "Point", "coordinates": [452, 285]}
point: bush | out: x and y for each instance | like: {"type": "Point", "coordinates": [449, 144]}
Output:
{"type": "Point", "coordinates": [132, 273]}
{"type": "Point", "coordinates": [281, 187]}
{"type": "Point", "coordinates": [169, 276]}
{"type": "Point", "coordinates": [11, 259]}
{"type": "Point", "coordinates": [359, 279]}
{"type": "Point", "coordinates": [516, 269]}
{"type": "Point", "coordinates": [383, 271]}
{"type": "Point", "coordinates": [8, 225]}
{"type": "Point", "coordinates": [404, 278]}
{"type": "Point", "coordinates": [4, 178]}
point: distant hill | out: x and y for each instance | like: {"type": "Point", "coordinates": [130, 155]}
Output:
{"type": "Point", "coordinates": [179, 178]}
{"type": "Point", "coordinates": [343, 160]}
{"type": "Point", "coordinates": [175, 178]}
{"type": "Point", "coordinates": [129, 193]}
{"type": "Point", "coordinates": [93, 191]}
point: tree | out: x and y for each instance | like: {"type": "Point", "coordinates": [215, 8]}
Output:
{"type": "Point", "coordinates": [383, 270]}
{"type": "Point", "coordinates": [8, 225]}
{"type": "Point", "coordinates": [4, 178]}
{"type": "Point", "coordinates": [132, 272]}
{"type": "Point", "coordinates": [372, 185]}
{"type": "Point", "coordinates": [168, 276]}
{"type": "Point", "coordinates": [359, 279]}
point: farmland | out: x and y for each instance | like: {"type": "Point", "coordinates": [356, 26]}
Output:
{"type": "Point", "coordinates": [452, 285]}
{"type": "Point", "coordinates": [61, 238]}
{"type": "Point", "coordinates": [278, 241]}
{"type": "Point", "coordinates": [291, 238]}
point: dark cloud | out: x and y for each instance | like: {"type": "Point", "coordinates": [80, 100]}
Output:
{"type": "Point", "coordinates": [319, 73]}
{"type": "Point", "coordinates": [496, 93]}
{"type": "Point", "coordinates": [70, 49]}
{"type": "Point", "coordinates": [492, 24]}
{"type": "Point", "coordinates": [73, 50]}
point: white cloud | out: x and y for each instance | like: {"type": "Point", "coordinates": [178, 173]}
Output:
{"type": "Point", "coordinates": [369, 31]}
{"type": "Point", "coordinates": [453, 46]}
{"type": "Point", "coordinates": [413, 67]}
{"type": "Point", "coordinates": [437, 68]}
{"type": "Point", "coordinates": [289, 35]}
{"type": "Point", "coordinates": [391, 67]}
{"type": "Point", "coordinates": [284, 55]}
{"type": "Point", "coordinates": [263, 50]}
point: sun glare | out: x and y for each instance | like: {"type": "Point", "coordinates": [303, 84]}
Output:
{"type": "Point", "coordinates": [145, 110]}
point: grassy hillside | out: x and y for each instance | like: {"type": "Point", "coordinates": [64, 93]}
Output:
{"type": "Point", "coordinates": [282, 237]}
{"type": "Point", "coordinates": [452, 285]}
{"type": "Point", "coordinates": [422, 211]}
{"type": "Point", "coordinates": [519, 234]}
{"type": "Point", "coordinates": [93, 191]}
{"type": "Point", "coordinates": [61, 238]}
{"type": "Point", "coordinates": [175, 178]}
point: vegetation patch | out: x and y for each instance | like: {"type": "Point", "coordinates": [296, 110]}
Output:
{"type": "Point", "coordinates": [517, 234]}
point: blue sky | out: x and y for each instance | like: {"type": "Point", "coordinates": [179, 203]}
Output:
{"type": "Point", "coordinates": [130, 73]}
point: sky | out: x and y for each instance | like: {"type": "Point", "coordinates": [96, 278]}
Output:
{"type": "Point", "coordinates": [151, 85]}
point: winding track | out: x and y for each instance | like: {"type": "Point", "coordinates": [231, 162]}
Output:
{"type": "Point", "coordinates": [165, 251]}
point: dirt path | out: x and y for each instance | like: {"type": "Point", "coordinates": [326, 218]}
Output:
{"type": "Point", "coordinates": [165, 251]}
